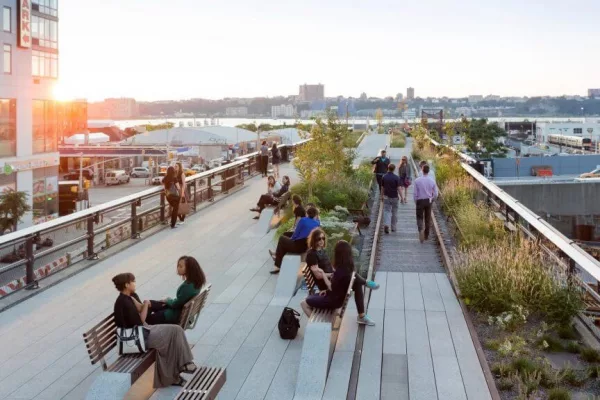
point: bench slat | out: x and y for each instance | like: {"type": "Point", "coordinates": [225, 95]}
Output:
{"type": "Point", "coordinates": [205, 384]}
{"type": "Point", "coordinates": [100, 337]}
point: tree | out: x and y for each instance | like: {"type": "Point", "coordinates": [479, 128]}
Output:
{"type": "Point", "coordinates": [324, 156]}
{"type": "Point", "coordinates": [481, 137]}
{"type": "Point", "coordinates": [13, 205]}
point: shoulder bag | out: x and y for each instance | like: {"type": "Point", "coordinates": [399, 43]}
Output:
{"type": "Point", "coordinates": [184, 207]}
{"type": "Point", "coordinates": [131, 340]}
{"type": "Point", "coordinates": [289, 323]}
{"type": "Point", "coordinates": [172, 191]}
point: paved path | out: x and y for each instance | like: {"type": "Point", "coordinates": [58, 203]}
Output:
{"type": "Point", "coordinates": [421, 347]}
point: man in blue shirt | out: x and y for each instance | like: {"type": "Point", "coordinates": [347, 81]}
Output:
{"type": "Point", "coordinates": [297, 244]}
{"type": "Point", "coordinates": [391, 184]}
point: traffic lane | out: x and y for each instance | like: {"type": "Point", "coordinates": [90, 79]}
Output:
{"type": "Point", "coordinates": [103, 194]}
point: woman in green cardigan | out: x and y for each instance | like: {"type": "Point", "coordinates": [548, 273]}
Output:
{"type": "Point", "coordinates": [167, 311]}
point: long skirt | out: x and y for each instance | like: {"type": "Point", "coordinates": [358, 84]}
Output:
{"type": "Point", "coordinates": [172, 353]}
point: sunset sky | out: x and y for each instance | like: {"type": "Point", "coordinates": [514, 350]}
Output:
{"type": "Point", "coordinates": [157, 49]}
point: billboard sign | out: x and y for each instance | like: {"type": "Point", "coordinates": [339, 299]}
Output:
{"type": "Point", "coordinates": [24, 23]}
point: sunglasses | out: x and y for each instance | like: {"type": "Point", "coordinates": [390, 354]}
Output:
{"type": "Point", "coordinates": [322, 238]}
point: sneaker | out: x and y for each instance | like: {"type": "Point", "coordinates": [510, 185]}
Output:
{"type": "Point", "coordinates": [372, 285]}
{"type": "Point", "coordinates": [365, 320]}
{"type": "Point", "coordinates": [181, 223]}
{"type": "Point", "coordinates": [386, 229]}
{"type": "Point", "coordinates": [421, 236]}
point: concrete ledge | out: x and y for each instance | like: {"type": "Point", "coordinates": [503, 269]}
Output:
{"type": "Point", "coordinates": [264, 222]}
{"type": "Point", "coordinates": [109, 386]}
{"type": "Point", "coordinates": [287, 280]}
{"type": "Point", "coordinates": [312, 372]}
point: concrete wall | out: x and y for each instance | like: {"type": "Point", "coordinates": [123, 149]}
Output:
{"type": "Point", "coordinates": [561, 165]}
{"type": "Point", "coordinates": [564, 199]}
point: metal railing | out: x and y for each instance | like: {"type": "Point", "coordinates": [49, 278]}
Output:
{"type": "Point", "coordinates": [84, 234]}
{"type": "Point", "coordinates": [562, 251]}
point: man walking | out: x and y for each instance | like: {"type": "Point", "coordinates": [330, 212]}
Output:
{"type": "Point", "coordinates": [380, 163]}
{"type": "Point", "coordinates": [391, 187]}
{"type": "Point", "coordinates": [425, 192]}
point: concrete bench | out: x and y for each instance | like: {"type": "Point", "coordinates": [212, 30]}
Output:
{"type": "Point", "coordinates": [265, 221]}
{"type": "Point", "coordinates": [204, 384]}
{"type": "Point", "coordinates": [101, 340]}
{"type": "Point", "coordinates": [288, 278]}
{"type": "Point", "coordinates": [317, 350]}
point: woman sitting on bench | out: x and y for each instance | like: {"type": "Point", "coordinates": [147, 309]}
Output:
{"type": "Point", "coordinates": [173, 353]}
{"type": "Point", "coordinates": [271, 198]}
{"type": "Point", "coordinates": [168, 311]}
{"type": "Point", "coordinates": [297, 243]}
{"type": "Point", "coordinates": [299, 212]}
{"type": "Point", "coordinates": [337, 286]}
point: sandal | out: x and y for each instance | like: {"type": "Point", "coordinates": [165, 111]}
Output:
{"type": "Point", "coordinates": [181, 382]}
{"type": "Point", "coordinates": [188, 368]}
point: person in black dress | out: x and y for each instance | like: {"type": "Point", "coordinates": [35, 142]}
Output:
{"type": "Point", "coordinates": [337, 285]}
{"type": "Point", "coordinates": [173, 353]}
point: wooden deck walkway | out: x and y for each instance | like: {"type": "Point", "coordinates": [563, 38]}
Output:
{"type": "Point", "coordinates": [42, 355]}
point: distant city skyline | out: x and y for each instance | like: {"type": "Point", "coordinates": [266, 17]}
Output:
{"type": "Point", "coordinates": [189, 49]}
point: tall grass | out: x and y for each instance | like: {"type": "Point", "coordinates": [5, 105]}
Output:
{"type": "Point", "coordinates": [476, 225]}
{"type": "Point", "coordinates": [447, 167]}
{"type": "Point", "coordinates": [398, 140]}
{"type": "Point", "coordinates": [458, 192]}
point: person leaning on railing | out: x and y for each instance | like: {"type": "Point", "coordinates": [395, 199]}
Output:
{"type": "Point", "coordinates": [335, 286]}
{"type": "Point", "coordinates": [271, 198]}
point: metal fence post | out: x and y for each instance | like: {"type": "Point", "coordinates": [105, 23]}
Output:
{"type": "Point", "coordinates": [29, 275]}
{"type": "Point", "coordinates": [90, 239]}
{"type": "Point", "coordinates": [193, 185]}
{"type": "Point", "coordinates": [162, 207]}
{"type": "Point", "coordinates": [134, 221]}
{"type": "Point", "coordinates": [210, 189]}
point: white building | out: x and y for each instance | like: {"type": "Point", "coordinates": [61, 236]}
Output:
{"type": "Point", "coordinates": [586, 129]}
{"type": "Point", "coordinates": [475, 98]}
{"type": "Point", "coordinates": [29, 128]}
{"type": "Point", "coordinates": [236, 111]}
{"type": "Point", "coordinates": [284, 110]}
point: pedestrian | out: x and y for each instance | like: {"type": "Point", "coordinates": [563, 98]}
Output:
{"type": "Point", "coordinates": [264, 158]}
{"type": "Point", "coordinates": [405, 179]}
{"type": "Point", "coordinates": [183, 195]}
{"type": "Point", "coordinates": [380, 164]}
{"type": "Point", "coordinates": [275, 160]}
{"type": "Point", "coordinates": [172, 193]}
{"type": "Point", "coordinates": [392, 186]}
{"type": "Point", "coordinates": [425, 193]}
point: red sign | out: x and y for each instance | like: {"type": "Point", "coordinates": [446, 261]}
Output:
{"type": "Point", "coordinates": [24, 15]}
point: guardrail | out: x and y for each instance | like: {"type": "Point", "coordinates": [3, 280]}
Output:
{"type": "Point", "coordinates": [564, 252]}
{"type": "Point", "coordinates": [84, 234]}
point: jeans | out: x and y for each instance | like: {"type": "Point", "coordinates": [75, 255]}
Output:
{"type": "Point", "coordinates": [390, 212]}
{"type": "Point", "coordinates": [424, 213]}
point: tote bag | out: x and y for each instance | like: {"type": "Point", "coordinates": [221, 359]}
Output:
{"type": "Point", "coordinates": [131, 340]}
{"type": "Point", "coordinates": [184, 207]}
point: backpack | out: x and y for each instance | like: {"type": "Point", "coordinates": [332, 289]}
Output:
{"type": "Point", "coordinates": [289, 323]}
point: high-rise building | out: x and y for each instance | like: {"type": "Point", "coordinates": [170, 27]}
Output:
{"type": "Point", "coordinates": [593, 92]}
{"type": "Point", "coordinates": [284, 110]}
{"type": "Point", "coordinates": [31, 121]}
{"type": "Point", "coordinates": [410, 93]}
{"type": "Point", "coordinates": [311, 92]}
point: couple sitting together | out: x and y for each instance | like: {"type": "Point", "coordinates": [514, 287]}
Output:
{"type": "Point", "coordinates": [275, 191]}
{"type": "Point", "coordinates": [159, 320]}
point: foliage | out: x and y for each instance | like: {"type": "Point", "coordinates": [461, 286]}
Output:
{"type": "Point", "coordinates": [329, 193]}
{"type": "Point", "coordinates": [476, 225]}
{"type": "Point", "coordinates": [166, 125]}
{"type": "Point", "coordinates": [457, 193]}
{"type": "Point", "coordinates": [398, 140]}
{"type": "Point", "coordinates": [512, 346]}
{"type": "Point", "coordinates": [524, 365]}
{"type": "Point", "coordinates": [510, 320]}
{"type": "Point", "coordinates": [563, 303]}
{"type": "Point", "coordinates": [502, 369]}
{"type": "Point", "coordinates": [573, 347]}
{"type": "Point", "coordinates": [590, 355]}
{"type": "Point", "coordinates": [528, 384]}
{"type": "Point", "coordinates": [13, 205]}
{"type": "Point", "coordinates": [505, 384]}
{"type": "Point", "coordinates": [571, 377]}
{"type": "Point", "coordinates": [566, 331]}
{"type": "Point", "coordinates": [559, 394]}
{"type": "Point", "coordinates": [481, 137]}
{"type": "Point", "coordinates": [350, 139]}
{"type": "Point", "coordinates": [448, 167]}
{"type": "Point", "coordinates": [593, 371]}
{"type": "Point", "coordinates": [549, 343]}
{"type": "Point", "coordinates": [496, 277]}
{"type": "Point", "coordinates": [379, 116]}
{"type": "Point", "coordinates": [324, 158]}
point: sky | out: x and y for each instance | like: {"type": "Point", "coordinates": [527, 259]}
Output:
{"type": "Point", "coordinates": [178, 49]}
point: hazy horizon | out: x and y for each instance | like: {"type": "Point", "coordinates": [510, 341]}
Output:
{"type": "Point", "coordinates": [186, 49]}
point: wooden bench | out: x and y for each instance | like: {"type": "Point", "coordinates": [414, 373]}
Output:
{"type": "Point", "coordinates": [102, 339]}
{"type": "Point", "coordinates": [204, 384]}
{"type": "Point", "coordinates": [317, 350]}
{"type": "Point", "coordinates": [309, 278]}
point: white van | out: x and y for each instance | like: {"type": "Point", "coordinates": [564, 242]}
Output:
{"type": "Point", "coordinates": [116, 177]}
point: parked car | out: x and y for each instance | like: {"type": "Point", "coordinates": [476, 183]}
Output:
{"type": "Point", "coordinates": [593, 174]}
{"type": "Point", "coordinates": [157, 180]}
{"type": "Point", "coordinates": [140, 172]}
{"type": "Point", "coordinates": [73, 175]}
{"type": "Point", "coordinates": [116, 177]}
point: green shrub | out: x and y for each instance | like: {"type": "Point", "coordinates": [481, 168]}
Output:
{"type": "Point", "coordinates": [559, 394]}
{"type": "Point", "coordinates": [493, 344]}
{"type": "Point", "coordinates": [457, 193]}
{"type": "Point", "coordinates": [502, 369]}
{"type": "Point", "coordinates": [593, 371]}
{"type": "Point", "coordinates": [563, 303]}
{"type": "Point", "coordinates": [476, 226]}
{"type": "Point", "coordinates": [570, 377]}
{"type": "Point", "coordinates": [345, 192]}
{"type": "Point", "coordinates": [549, 343]}
{"type": "Point", "coordinates": [349, 139]}
{"type": "Point", "coordinates": [590, 355]}
{"type": "Point", "coordinates": [524, 365]}
{"type": "Point", "coordinates": [446, 168]}
{"type": "Point", "coordinates": [398, 140]}
{"type": "Point", "coordinates": [497, 277]}
{"type": "Point", "coordinates": [505, 384]}
{"type": "Point", "coordinates": [573, 347]}
{"type": "Point", "coordinates": [566, 331]}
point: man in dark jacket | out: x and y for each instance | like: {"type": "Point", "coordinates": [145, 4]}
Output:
{"type": "Point", "coordinates": [380, 166]}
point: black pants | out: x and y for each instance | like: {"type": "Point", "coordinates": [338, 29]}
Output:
{"type": "Point", "coordinates": [424, 213]}
{"type": "Point", "coordinates": [288, 234]}
{"type": "Point", "coordinates": [265, 200]}
{"type": "Point", "coordinates": [379, 178]}
{"type": "Point", "coordinates": [264, 164]}
{"type": "Point", "coordinates": [156, 313]}
{"type": "Point", "coordinates": [174, 203]}
{"type": "Point", "coordinates": [357, 286]}
{"type": "Point", "coordinates": [286, 245]}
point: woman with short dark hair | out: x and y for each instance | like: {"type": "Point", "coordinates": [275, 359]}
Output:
{"type": "Point", "coordinates": [336, 284]}
{"type": "Point", "coordinates": [173, 353]}
{"type": "Point", "coordinates": [168, 311]}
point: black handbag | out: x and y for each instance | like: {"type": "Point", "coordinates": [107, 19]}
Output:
{"type": "Point", "coordinates": [289, 323]}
